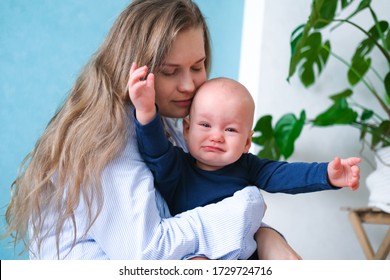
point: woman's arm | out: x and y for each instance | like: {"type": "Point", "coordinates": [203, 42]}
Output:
{"type": "Point", "coordinates": [274, 246]}
{"type": "Point", "coordinates": [163, 159]}
{"type": "Point", "coordinates": [133, 228]}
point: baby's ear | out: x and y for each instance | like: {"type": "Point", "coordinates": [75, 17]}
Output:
{"type": "Point", "coordinates": [248, 142]}
{"type": "Point", "coordinates": [186, 127]}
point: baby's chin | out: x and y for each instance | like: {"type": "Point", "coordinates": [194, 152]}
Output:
{"type": "Point", "coordinates": [210, 165]}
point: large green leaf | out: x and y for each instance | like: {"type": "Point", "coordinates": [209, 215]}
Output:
{"type": "Point", "coordinates": [378, 30]}
{"type": "Point", "coordinates": [263, 130]}
{"type": "Point", "coordinates": [295, 40]}
{"type": "Point", "coordinates": [287, 130]}
{"type": "Point", "coordinates": [338, 113]}
{"type": "Point", "coordinates": [306, 46]}
{"type": "Point", "coordinates": [361, 63]}
{"type": "Point", "coordinates": [269, 151]}
{"type": "Point", "coordinates": [359, 67]}
{"type": "Point", "coordinates": [323, 12]}
{"type": "Point", "coordinates": [279, 141]}
{"type": "Point", "coordinates": [313, 57]}
{"type": "Point", "coordinates": [375, 32]}
{"type": "Point", "coordinates": [264, 136]}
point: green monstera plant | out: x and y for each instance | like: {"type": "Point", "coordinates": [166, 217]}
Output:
{"type": "Point", "coordinates": [310, 51]}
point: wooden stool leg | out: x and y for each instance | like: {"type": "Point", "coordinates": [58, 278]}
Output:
{"type": "Point", "coordinates": [384, 248]}
{"type": "Point", "coordinates": [361, 235]}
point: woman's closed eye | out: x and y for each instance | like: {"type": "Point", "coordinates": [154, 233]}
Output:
{"type": "Point", "coordinates": [197, 68]}
{"type": "Point", "coordinates": [170, 72]}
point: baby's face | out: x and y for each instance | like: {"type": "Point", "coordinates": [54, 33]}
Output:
{"type": "Point", "coordinates": [219, 130]}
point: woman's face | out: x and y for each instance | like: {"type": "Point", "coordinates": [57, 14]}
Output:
{"type": "Point", "coordinates": [181, 74]}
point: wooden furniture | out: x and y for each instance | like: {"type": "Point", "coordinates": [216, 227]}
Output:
{"type": "Point", "coordinates": [372, 216]}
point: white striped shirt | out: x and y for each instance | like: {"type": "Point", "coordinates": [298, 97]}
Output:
{"type": "Point", "coordinates": [135, 222]}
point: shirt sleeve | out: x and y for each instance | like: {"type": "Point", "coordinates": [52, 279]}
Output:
{"type": "Point", "coordinates": [135, 224]}
{"type": "Point", "coordinates": [288, 177]}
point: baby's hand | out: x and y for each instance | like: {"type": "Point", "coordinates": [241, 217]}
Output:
{"type": "Point", "coordinates": [142, 93]}
{"type": "Point", "coordinates": [344, 172]}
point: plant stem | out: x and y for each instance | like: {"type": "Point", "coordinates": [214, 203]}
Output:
{"type": "Point", "coordinates": [376, 74]}
{"type": "Point", "coordinates": [370, 88]}
{"type": "Point", "coordinates": [381, 35]}
{"type": "Point", "coordinates": [380, 47]}
{"type": "Point", "coordinates": [364, 108]}
{"type": "Point", "coordinates": [371, 129]}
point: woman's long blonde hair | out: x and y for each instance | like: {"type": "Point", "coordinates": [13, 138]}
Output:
{"type": "Point", "coordinates": [90, 128]}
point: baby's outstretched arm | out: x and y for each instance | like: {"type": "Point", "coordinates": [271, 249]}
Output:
{"type": "Point", "coordinates": [344, 172]}
{"type": "Point", "coordinates": [142, 93]}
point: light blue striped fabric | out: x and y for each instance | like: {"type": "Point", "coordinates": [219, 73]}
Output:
{"type": "Point", "coordinates": [135, 221]}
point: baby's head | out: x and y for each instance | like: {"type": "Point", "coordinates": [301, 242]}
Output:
{"type": "Point", "coordinates": [228, 95]}
{"type": "Point", "coordinates": [219, 128]}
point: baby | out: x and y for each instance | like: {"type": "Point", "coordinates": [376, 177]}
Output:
{"type": "Point", "coordinates": [218, 136]}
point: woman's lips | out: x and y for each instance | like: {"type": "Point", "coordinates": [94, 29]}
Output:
{"type": "Point", "coordinates": [183, 103]}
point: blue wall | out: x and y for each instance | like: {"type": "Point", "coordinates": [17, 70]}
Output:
{"type": "Point", "coordinates": [43, 46]}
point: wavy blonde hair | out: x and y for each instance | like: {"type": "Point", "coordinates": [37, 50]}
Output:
{"type": "Point", "coordinates": [89, 129]}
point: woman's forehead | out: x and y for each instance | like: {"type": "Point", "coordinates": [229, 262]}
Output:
{"type": "Point", "coordinates": [188, 46]}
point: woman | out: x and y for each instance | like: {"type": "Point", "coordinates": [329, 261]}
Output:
{"type": "Point", "coordinates": [84, 192]}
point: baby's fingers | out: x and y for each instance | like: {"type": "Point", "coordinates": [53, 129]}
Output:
{"type": "Point", "coordinates": [355, 177]}
{"type": "Point", "coordinates": [353, 161]}
{"type": "Point", "coordinates": [150, 80]}
{"type": "Point", "coordinates": [137, 74]}
{"type": "Point", "coordinates": [132, 68]}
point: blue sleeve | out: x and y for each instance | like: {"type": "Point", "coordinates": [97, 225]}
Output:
{"type": "Point", "coordinates": [162, 158]}
{"type": "Point", "coordinates": [151, 138]}
{"type": "Point", "coordinates": [289, 177]}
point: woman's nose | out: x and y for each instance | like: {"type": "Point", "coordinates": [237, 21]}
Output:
{"type": "Point", "coordinates": [187, 83]}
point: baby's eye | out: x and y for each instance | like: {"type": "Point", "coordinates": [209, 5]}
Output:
{"type": "Point", "coordinates": [204, 124]}
{"type": "Point", "coordinates": [230, 129]}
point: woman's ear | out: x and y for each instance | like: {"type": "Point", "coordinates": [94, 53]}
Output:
{"type": "Point", "coordinates": [186, 127]}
